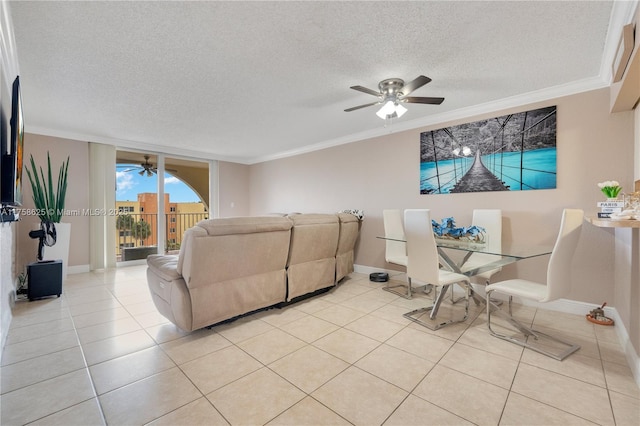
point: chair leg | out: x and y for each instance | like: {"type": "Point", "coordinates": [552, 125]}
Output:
{"type": "Point", "coordinates": [528, 332]}
{"type": "Point", "coordinates": [479, 299]}
{"type": "Point", "coordinates": [498, 302]}
{"type": "Point", "coordinates": [408, 294]}
{"type": "Point", "coordinates": [433, 310]}
{"type": "Point", "coordinates": [470, 293]}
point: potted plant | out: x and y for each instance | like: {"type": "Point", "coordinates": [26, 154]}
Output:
{"type": "Point", "coordinates": [49, 202]}
{"type": "Point", "coordinates": [610, 188]}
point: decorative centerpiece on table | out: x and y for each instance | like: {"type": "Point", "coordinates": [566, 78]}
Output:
{"type": "Point", "coordinates": [612, 206]}
{"type": "Point", "coordinates": [447, 230]}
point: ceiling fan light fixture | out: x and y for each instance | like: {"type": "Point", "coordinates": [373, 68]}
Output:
{"type": "Point", "coordinates": [141, 172]}
{"type": "Point", "coordinates": [387, 109]}
{"type": "Point", "coordinates": [400, 110]}
{"type": "Point", "coordinates": [391, 109]}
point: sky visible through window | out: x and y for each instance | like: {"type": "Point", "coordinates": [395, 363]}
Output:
{"type": "Point", "coordinates": [130, 184]}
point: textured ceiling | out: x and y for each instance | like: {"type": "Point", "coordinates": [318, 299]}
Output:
{"type": "Point", "coordinates": [248, 81]}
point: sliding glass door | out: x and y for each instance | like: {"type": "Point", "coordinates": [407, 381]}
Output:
{"type": "Point", "coordinates": [153, 213]}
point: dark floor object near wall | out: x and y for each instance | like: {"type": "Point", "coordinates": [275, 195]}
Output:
{"type": "Point", "coordinates": [379, 277]}
{"type": "Point", "coordinates": [44, 278]}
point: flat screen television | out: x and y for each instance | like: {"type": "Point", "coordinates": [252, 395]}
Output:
{"type": "Point", "coordinates": [12, 153]}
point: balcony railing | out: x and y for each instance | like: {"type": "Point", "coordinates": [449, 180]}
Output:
{"type": "Point", "coordinates": [137, 233]}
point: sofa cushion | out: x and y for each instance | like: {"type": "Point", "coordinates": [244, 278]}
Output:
{"type": "Point", "coordinates": [349, 230]}
{"type": "Point", "coordinates": [312, 253]}
{"type": "Point", "coordinates": [229, 248]}
{"type": "Point", "coordinates": [314, 236]}
{"type": "Point", "coordinates": [244, 225]}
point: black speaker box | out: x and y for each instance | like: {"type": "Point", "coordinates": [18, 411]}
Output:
{"type": "Point", "coordinates": [45, 279]}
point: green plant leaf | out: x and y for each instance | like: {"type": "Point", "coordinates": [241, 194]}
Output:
{"type": "Point", "coordinates": [49, 200]}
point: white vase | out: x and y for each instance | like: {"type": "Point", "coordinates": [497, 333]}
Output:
{"type": "Point", "coordinates": [60, 250]}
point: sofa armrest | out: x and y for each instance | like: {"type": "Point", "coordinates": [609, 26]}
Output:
{"type": "Point", "coordinates": [169, 291]}
{"type": "Point", "coordinates": [165, 266]}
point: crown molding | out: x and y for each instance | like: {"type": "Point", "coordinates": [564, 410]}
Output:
{"type": "Point", "coordinates": [132, 145]}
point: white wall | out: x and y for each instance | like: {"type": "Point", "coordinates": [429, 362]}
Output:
{"type": "Point", "coordinates": [233, 189]}
{"type": "Point", "coordinates": [8, 72]}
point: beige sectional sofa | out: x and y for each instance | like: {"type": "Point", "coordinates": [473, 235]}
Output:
{"type": "Point", "coordinates": [231, 266]}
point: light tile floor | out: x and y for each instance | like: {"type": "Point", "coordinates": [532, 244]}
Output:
{"type": "Point", "coordinates": [101, 354]}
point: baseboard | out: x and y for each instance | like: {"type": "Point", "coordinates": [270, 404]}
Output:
{"type": "Point", "coordinates": [396, 275]}
{"type": "Point", "coordinates": [623, 337]}
{"type": "Point", "coordinates": [560, 305]}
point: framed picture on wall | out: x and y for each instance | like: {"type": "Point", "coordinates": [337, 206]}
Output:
{"type": "Point", "coordinates": [514, 152]}
{"type": "Point", "coordinates": [623, 53]}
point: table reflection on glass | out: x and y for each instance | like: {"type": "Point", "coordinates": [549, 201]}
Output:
{"type": "Point", "coordinates": [501, 254]}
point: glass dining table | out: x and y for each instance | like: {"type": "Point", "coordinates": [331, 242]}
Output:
{"type": "Point", "coordinates": [502, 254]}
{"type": "Point", "coordinates": [454, 254]}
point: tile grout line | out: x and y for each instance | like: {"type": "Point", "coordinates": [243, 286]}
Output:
{"type": "Point", "coordinates": [84, 359]}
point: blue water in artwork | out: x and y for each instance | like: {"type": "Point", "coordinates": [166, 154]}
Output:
{"type": "Point", "coordinates": [445, 174]}
{"type": "Point", "coordinates": [538, 171]}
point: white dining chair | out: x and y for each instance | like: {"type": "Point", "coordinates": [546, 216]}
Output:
{"type": "Point", "coordinates": [491, 221]}
{"type": "Point", "coordinates": [395, 248]}
{"type": "Point", "coordinates": [423, 266]}
{"type": "Point", "coordinates": [558, 285]}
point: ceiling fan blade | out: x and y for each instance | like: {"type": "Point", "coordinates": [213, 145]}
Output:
{"type": "Point", "coordinates": [415, 84]}
{"type": "Point", "coordinates": [422, 100]}
{"type": "Point", "coordinates": [361, 106]}
{"type": "Point", "coordinates": [365, 90]}
{"type": "Point", "coordinates": [155, 170]}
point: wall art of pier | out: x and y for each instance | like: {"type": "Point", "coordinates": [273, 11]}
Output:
{"type": "Point", "coordinates": [514, 152]}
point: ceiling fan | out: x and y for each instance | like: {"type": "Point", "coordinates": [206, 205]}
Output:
{"type": "Point", "coordinates": [147, 168]}
{"type": "Point", "coordinates": [392, 92]}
